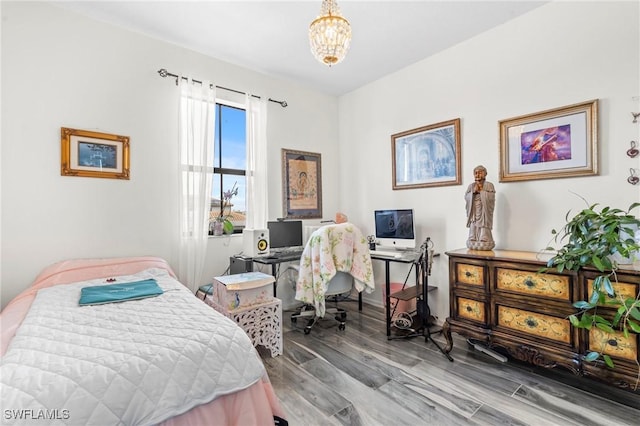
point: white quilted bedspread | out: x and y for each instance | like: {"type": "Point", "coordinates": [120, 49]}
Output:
{"type": "Point", "coordinates": [132, 363]}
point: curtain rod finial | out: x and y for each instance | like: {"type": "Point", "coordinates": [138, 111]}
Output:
{"type": "Point", "coordinates": [283, 104]}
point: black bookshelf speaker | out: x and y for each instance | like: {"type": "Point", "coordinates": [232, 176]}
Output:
{"type": "Point", "coordinates": [255, 242]}
{"type": "Point", "coordinates": [240, 265]}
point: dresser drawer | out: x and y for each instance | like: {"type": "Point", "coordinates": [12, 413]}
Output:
{"type": "Point", "coordinates": [470, 309]}
{"type": "Point", "coordinates": [470, 274]}
{"type": "Point", "coordinates": [615, 344]}
{"type": "Point", "coordinates": [501, 297]}
{"type": "Point", "coordinates": [534, 323]}
{"type": "Point", "coordinates": [621, 288]}
{"type": "Point", "coordinates": [533, 283]}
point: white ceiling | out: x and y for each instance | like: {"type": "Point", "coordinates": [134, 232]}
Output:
{"type": "Point", "coordinates": [271, 37]}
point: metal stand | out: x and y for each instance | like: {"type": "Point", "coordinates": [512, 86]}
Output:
{"type": "Point", "coordinates": [426, 259]}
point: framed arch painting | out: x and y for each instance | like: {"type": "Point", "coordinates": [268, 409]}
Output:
{"type": "Point", "coordinates": [427, 156]}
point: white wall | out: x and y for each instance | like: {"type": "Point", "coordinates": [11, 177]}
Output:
{"type": "Point", "coordinates": [60, 69]}
{"type": "Point", "coordinates": [559, 54]}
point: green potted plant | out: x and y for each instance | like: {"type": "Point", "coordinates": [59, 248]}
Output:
{"type": "Point", "coordinates": [600, 238]}
{"type": "Point", "coordinates": [222, 223]}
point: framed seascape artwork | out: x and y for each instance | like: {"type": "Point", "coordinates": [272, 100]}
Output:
{"type": "Point", "coordinates": [301, 185]}
{"type": "Point", "coordinates": [427, 156]}
{"type": "Point", "coordinates": [556, 143]}
{"type": "Point", "coordinates": [93, 154]}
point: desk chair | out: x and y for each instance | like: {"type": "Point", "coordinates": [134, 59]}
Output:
{"type": "Point", "coordinates": [335, 260]}
{"type": "Point", "coordinates": [340, 285]}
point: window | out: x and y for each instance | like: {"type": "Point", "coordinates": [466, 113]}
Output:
{"type": "Point", "coordinates": [229, 165]}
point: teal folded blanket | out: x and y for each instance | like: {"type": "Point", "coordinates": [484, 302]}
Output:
{"type": "Point", "coordinates": [100, 294]}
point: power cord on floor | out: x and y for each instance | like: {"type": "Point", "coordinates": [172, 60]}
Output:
{"type": "Point", "coordinates": [403, 321]}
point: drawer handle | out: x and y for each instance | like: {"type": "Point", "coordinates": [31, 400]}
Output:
{"type": "Point", "coordinates": [469, 309]}
{"type": "Point", "coordinates": [612, 342]}
{"type": "Point", "coordinates": [529, 283]}
{"type": "Point", "coordinates": [468, 274]}
{"type": "Point", "coordinates": [531, 322]}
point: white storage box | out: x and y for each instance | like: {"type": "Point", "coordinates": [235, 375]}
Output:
{"type": "Point", "coordinates": [242, 290]}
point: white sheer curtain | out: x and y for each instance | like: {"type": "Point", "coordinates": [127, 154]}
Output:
{"type": "Point", "coordinates": [257, 200]}
{"type": "Point", "coordinates": [196, 139]}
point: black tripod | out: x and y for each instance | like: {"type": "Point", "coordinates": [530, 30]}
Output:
{"type": "Point", "coordinates": [424, 313]}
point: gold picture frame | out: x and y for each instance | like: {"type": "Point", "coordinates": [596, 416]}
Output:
{"type": "Point", "coordinates": [426, 157]}
{"type": "Point", "coordinates": [94, 154]}
{"type": "Point", "coordinates": [555, 143]}
{"type": "Point", "coordinates": [301, 184]}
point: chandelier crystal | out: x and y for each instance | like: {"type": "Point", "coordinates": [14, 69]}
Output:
{"type": "Point", "coordinates": [330, 34]}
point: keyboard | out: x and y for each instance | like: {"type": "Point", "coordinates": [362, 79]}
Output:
{"type": "Point", "coordinates": [382, 253]}
{"type": "Point", "coordinates": [282, 254]}
{"type": "Point", "coordinates": [287, 252]}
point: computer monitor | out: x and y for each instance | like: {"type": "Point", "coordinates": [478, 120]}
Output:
{"type": "Point", "coordinates": [395, 228]}
{"type": "Point", "coordinates": [285, 233]}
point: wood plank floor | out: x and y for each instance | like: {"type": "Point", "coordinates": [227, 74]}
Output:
{"type": "Point", "coordinates": [358, 377]}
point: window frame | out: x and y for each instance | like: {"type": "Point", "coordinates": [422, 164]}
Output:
{"type": "Point", "coordinates": [220, 171]}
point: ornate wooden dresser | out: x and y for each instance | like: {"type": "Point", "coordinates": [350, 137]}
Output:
{"type": "Point", "coordinates": [499, 297]}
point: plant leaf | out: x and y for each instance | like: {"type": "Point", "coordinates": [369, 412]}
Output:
{"type": "Point", "coordinates": [600, 320]}
{"type": "Point", "coordinates": [606, 281]}
{"type": "Point", "coordinates": [574, 321]}
{"type": "Point", "coordinates": [583, 305]}
{"type": "Point", "coordinates": [586, 321]}
{"type": "Point", "coordinates": [618, 316]}
{"type": "Point", "coordinates": [633, 206]}
{"type": "Point", "coordinates": [597, 262]}
{"type": "Point", "coordinates": [227, 227]}
{"type": "Point", "coordinates": [634, 326]}
{"type": "Point", "coordinates": [608, 360]}
{"type": "Point", "coordinates": [592, 356]}
{"type": "Point", "coordinates": [605, 327]}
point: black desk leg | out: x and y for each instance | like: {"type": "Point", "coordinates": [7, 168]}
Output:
{"type": "Point", "coordinates": [274, 273]}
{"type": "Point", "coordinates": [387, 283]}
{"type": "Point", "coordinates": [360, 301]}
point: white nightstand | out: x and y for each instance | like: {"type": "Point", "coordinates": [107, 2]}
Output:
{"type": "Point", "coordinates": [262, 323]}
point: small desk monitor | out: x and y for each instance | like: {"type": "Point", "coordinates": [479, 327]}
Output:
{"type": "Point", "coordinates": [286, 233]}
{"type": "Point", "coordinates": [395, 228]}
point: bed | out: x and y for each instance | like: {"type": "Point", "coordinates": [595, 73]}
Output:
{"type": "Point", "coordinates": [169, 360]}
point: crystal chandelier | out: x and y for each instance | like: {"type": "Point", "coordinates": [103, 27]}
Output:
{"type": "Point", "coordinates": [329, 34]}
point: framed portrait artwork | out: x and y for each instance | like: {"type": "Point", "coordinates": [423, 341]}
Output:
{"type": "Point", "coordinates": [94, 154]}
{"type": "Point", "coordinates": [301, 184]}
{"type": "Point", "coordinates": [427, 156]}
{"type": "Point", "coordinates": [556, 143]}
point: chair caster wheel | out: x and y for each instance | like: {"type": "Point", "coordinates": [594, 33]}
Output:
{"type": "Point", "coordinates": [341, 327]}
{"type": "Point", "coordinates": [294, 320]}
{"type": "Point", "coordinates": [307, 330]}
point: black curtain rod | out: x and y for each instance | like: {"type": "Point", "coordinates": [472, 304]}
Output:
{"type": "Point", "coordinates": [164, 73]}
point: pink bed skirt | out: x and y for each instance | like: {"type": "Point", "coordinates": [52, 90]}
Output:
{"type": "Point", "coordinates": [256, 405]}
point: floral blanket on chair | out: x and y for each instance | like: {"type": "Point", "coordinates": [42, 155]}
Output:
{"type": "Point", "coordinates": [330, 249]}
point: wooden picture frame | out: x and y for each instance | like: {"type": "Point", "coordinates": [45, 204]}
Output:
{"type": "Point", "coordinates": [555, 143]}
{"type": "Point", "coordinates": [93, 154]}
{"type": "Point", "coordinates": [301, 184]}
{"type": "Point", "coordinates": [427, 156]}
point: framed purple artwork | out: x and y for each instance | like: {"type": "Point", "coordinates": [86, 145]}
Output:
{"type": "Point", "coordinates": [556, 143]}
